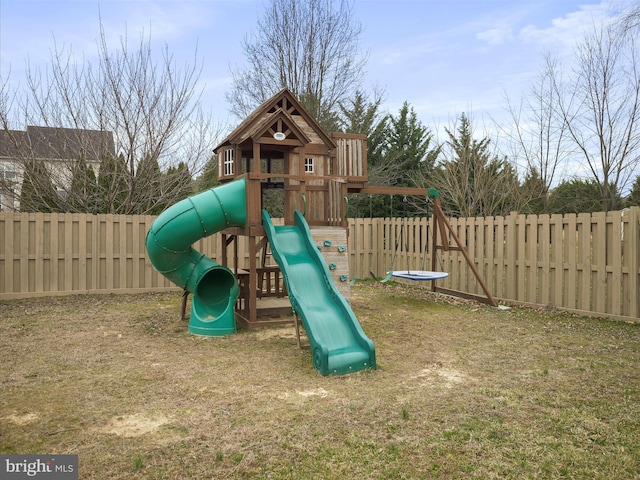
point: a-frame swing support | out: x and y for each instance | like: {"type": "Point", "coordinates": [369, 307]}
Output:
{"type": "Point", "coordinates": [442, 224]}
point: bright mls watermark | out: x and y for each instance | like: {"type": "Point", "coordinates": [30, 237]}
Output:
{"type": "Point", "coordinates": [49, 467]}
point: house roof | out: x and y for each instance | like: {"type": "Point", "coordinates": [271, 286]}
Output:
{"type": "Point", "coordinates": [53, 143]}
{"type": "Point", "coordinates": [283, 105]}
{"type": "Point", "coordinates": [10, 143]}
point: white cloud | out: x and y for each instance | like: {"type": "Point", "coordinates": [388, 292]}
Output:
{"type": "Point", "coordinates": [496, 36]}
{"type": "Point", "coordinates": [563, 31]}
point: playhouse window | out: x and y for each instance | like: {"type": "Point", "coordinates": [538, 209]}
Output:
{"type": "Point", "coordinates": [308, 165]}
{"type": "Point", "coordinates": [228, 162]}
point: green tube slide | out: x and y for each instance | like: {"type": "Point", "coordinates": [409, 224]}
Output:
{"type": "Point", "coordinates": [169, 247]}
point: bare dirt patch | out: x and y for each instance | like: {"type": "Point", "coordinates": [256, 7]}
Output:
{"type": "Point", "coordinates": [133, 425]}
{"type": "Point", "coordinates": [436, 374]}
{"type": "Point", "coordinates": [268, 333]}
{"type": "Point", "coordinates": [24, 419]}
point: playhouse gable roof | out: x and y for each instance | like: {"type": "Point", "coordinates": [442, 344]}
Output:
{"type": "Point", "coordinates": [282, 107]}
{"type": "Point", "coordinates": [278, 121]}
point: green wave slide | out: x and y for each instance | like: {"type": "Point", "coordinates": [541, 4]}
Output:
{"type": "Point", "coordinates": [338, 344]}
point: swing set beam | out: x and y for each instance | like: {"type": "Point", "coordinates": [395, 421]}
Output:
{"type": "Point", "coordinates": [374, 190]}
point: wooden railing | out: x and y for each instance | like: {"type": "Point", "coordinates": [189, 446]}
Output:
{"type": "Point", "coordinates": [351, 155]}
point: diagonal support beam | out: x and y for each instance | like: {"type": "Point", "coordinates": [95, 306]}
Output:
{"type": "Point", "coordinates": [441, 222]}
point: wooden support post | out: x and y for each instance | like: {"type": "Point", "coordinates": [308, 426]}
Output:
{"type": "Point", "coordinates": [253, 281]}
{"type": "Point", "coordinates": [344, 210]}
{"type": "Point", "coordinates": [223, 249]}
{"type": "Point", "coordinates": [441, 221]}
{"type": "Point", "coordinates": [296, 322]}
{"type": "Point", "coordinates": [256, 168]}
{"type": "Point", "coordinates": [183, 308]}
{"type": "Point", "coordinates": [262, 246]}
{"type": "Point", "coordinates": [304, 200]}
{"type": "Point", "coordinates": [434, 248]}
{"type": "Point", "coordinates": [235, 253]}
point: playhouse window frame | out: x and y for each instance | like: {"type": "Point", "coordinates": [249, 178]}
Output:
{"type": "Point", "coordinates": [309, 165]}
{"type": "Point", "coordinates": [228, 162]}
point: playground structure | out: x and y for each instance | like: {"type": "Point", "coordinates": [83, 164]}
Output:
{"type": "Point", "coordinates": [279, 146]}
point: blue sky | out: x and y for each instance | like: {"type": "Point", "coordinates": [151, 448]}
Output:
{"type": "Point", "coordinates": [444, 57]}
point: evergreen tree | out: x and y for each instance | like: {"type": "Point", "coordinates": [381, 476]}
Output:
{"type": "Point", "coordinates": [38, 193]}
{"type": "Point", "coordinates": [83, 192]}
{"type": "Point", "coordinates": [409, 146]}
{"type": "Point", "coordinates": [471, 181]}
{"type": "Point", "coordinates": [177, 182]}
{"type": "Point", "coordinates": [405, 157]}
{"type": "Point", "coordinates": [113, 185]}
{"type": "Point", "coordinates": [533, 193]}
{"type": "Point", "coordinates": [360, 115]}
{"type": "Point", "coordinates": [327, 118]}
{"type": "Point", "coordinates": [580, 196]}
{"type": "Point", "coordinates": [147, 197]}
{"type": "Point", "coordinates": [209, 177]}
{"type": "Point", "coordinates": [634, 195]}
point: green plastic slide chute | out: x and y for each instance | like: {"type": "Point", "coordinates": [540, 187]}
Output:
{"type": "Point", "coordinates": [338, 343]}
{"type": "Point", "coordinates": [169, 247]}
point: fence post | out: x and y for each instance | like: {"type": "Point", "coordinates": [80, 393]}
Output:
{"type": "Point", "coordinates": [614, 263]}
{"type": "Point", "coordinates": [632, 261]}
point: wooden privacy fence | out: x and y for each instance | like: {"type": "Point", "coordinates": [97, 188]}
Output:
{"type": "Point", "coordinates": [54, 254]}
{"type": "Point", "coordinates": [588, 263]}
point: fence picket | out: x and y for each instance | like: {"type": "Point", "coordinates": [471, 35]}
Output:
{"type": "Point", "coordinates": [556, 260]}
{"type": "Point", "coordinates": [531, 258]}
{"type": "Point", "coordinates": [499, 242]}
{"type": "Point", "coordinates": [24, 256]}
{"type": "Point", "coordinates": [615, 251]}
{"type": "Point", "coordinates": [521, 258]}
{"type": "Point", "coordinates": [544, 259]}
{"type": "Point", "coordinates": [469, 229]}
{"type": "Point", "coordinates": [599, 260]}
{"type": "Point", "coordinates": [631, 245]}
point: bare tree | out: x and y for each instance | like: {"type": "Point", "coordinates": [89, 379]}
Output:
{"type": "Point", "coordinates": [144, 108]}
{"type": "Point", "coordinates": [537, 135]}
{"type": "Point", "coordinates": [600, 106]}
{"type": "Point", "coordinates": [307, 46]}
{"type": "Point", "coordinates": [631, 18]}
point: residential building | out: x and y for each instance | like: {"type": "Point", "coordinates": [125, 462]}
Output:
{"type": "Point", "coordinates": [58, 148]}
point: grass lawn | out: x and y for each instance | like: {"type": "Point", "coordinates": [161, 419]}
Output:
{"type": "Point", "coordinates": [462, 390]}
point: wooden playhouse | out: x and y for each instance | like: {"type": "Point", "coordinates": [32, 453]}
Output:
{"type": "Point", "coordinates": [280, 146]}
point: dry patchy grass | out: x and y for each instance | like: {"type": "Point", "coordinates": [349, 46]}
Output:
{"type": "Point", "coordinates": [462, 391]}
